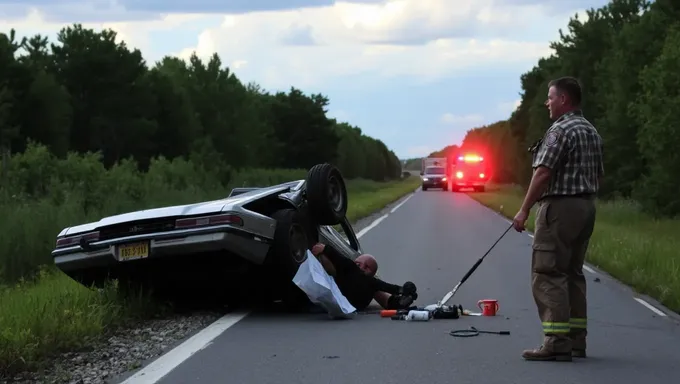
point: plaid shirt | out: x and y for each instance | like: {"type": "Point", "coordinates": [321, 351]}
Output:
{"type": "Point", "coordinates": [573, 149]}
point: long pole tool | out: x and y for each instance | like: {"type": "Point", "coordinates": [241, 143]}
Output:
{"type": "Point", "coordinates": [449, 295]}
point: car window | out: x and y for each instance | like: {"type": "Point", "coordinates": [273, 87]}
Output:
{"type": "Point", "coordinates": [434, 171]}
{"type": "Point", "coordinates": [341, 233]}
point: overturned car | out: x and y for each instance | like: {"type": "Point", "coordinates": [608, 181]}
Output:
{"type": "Point", "coordinates": [251, 242]}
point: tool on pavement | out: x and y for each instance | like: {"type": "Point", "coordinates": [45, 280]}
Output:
{"type": "Point", "coordinates": [414, 315]}
{"type": "Point", "coordinates": [466, 312]}
{"type": "Point", "coordinates": [449, 295]}
{"type": "Point", "coordinates": [447, 312]}
{"type": "Point", "coordinates": [489, 307]}
{"type": "Point", "coordinates": [474, 332]}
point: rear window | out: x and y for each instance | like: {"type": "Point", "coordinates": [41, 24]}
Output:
{"type": "Point", "coordinates": [434, 171]}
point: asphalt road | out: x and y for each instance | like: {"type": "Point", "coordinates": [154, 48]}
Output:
{"type": "Point", "coordinates": [432, 240]}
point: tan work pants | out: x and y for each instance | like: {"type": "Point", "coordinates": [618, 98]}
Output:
{"type": "Point", "coordinates": [563, 228]}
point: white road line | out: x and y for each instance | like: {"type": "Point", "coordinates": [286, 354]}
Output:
{"type": "Point", "coordinates": [158, 369]}
{"type": "Point", "coordinates": [650, 307]}
{"type": "Point", "coordinates": [400, 204]}
{"type": "Point", "coordinates": [587, 268]}
{"type": "Point", "coordinates": [371, 226]}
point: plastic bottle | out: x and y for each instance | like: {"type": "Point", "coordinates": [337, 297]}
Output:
{"type": "Point", "coordinates": [414, 315]}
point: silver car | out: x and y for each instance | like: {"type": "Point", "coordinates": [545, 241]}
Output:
{"type": "Point", "coordinates": [252, 240]}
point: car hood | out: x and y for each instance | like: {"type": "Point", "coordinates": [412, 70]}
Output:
{"type": "Point", "coordinates": [433, 175]}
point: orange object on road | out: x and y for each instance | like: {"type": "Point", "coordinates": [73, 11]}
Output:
{"type": "Point", "coordinates": [388, 312]}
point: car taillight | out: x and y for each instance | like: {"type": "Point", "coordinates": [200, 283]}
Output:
{"type": "Point", "coordinates": [459, 174]}
{"type": "Point", "coordinates": [208, 220]}
{"type": "Point", "coordinates": [70, 241]}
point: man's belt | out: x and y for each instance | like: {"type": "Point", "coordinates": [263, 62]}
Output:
{"type": "Point", "coordinates": [581, 195]}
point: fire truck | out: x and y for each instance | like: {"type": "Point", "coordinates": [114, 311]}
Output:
{"type": "Point", "coordinates": [469, 170]}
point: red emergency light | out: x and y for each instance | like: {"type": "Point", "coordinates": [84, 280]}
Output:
{"type": "Point", "coordinates": [471, 158]}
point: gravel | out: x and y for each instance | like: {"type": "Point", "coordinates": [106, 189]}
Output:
{"type": "Point", "coordinates": [126, 349]}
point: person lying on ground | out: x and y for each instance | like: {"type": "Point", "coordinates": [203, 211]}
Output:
{"type": "Point", "coordinates": [357, 282]}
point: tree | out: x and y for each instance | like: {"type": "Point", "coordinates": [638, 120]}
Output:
{"type": "Point", "coordinates": [89, 92]}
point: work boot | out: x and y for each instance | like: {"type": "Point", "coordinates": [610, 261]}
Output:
{"type": "Point", "coordinates": [578, 353]}
{"type": "Point", "coordinates": [542, 354]}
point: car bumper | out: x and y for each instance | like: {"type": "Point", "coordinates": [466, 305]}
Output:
{"type": "Point", "coordinates": [435, 184]}
{"type": "Point", "coordinates": [226, 238]}
{"type": "Point", "coordinates": [468, 183]}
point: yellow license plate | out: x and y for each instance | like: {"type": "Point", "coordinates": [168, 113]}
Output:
{"type": "Point", "coordinates": [133, 251]}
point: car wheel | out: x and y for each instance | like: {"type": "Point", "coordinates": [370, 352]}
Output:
{"type": "Point", "coordinates": [326, 194]}
{"type": "Point", "coordinates": [292, 238]}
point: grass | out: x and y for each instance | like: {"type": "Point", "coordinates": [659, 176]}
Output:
{"type": "Point", "coordinates": [632, 247]}
{"type": "Point", "coordinates": [52, 313]}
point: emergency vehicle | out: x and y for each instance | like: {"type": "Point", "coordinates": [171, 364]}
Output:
{"type": "Point", "coordinates": [434, 172]}
{"type": "Point", "coordinates": [469, 170]}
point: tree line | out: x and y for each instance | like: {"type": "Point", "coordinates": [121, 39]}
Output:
{"type": "Point", "coordinates": [626, 57]}
{"type": "Point", "coordinates": [90, 93]}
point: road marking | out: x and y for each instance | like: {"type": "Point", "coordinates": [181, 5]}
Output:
{"type": "Point", "coordinates": [650, 307]}
{"type": "Point", "coordinates": [158, 369]}
{"type": "Point", "coordinates": [371, 226]}
{"type": "Point", "coordinates": [402, 203]}
{"type": "Point", "coordinates": [530, 235]}
{"type": "Point", "coordinates": [587, 268]}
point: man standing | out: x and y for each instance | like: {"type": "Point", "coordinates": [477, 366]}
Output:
{"type": "Point", "coordinates": [568, 168]}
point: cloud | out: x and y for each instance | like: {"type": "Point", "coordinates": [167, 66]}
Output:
{"type": "Point", "coordinates": [73, 11]}
{"type": "Point", "coordinates": [298, 35]}
{"type": "Point", "coordinates": [439, 65]}
{"type": "Point", "coordinates": [395, 39]}
{"type": "Point", "coordinates": [418, 40]}
{"type": "Point", "coordinates": [509, 107]}
{"type": "Point", "coordinates": [466, 120]}
{"type": "Point", "coordinates": [558, 5]}
{"type": "Point", "coordinates": [128, 8]}
{"type": "Point", "coordinates": [231, 6]}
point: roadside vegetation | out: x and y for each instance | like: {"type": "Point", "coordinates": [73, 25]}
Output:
{"type": "Point", "coordinates": [625, 55]}
{"type": "Point", "coordinates": [88, 129]}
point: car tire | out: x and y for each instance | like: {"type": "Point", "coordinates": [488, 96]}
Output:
{"type": "Point", "coordinates": [293, 236]}
{"type": "Point", "coordinates": [326, 194]}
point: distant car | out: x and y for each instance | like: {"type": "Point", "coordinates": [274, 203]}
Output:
{"type": "Point", "coordinates": [434, 177]}
{"type": "Point", "coordinates": [260, 234]}
{"type": "Point", "coordinates": [469, 171]}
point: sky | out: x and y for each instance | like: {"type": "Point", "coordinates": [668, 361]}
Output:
{"type": "Point", "coordinates": [416, 74]}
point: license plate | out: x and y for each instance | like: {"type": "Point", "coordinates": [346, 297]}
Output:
{"type": "Point", "coordinates": [133, 251]}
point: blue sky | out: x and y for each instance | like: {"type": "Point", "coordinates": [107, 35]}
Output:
{"type": "Point", "coordinates": [416, 74]}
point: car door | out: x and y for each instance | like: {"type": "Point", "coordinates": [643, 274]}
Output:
{"type": "Point", "coordinates": [342, 238]}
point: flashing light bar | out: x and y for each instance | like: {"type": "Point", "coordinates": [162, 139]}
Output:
{"type": "Point", "coordinates": [471, 158]}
